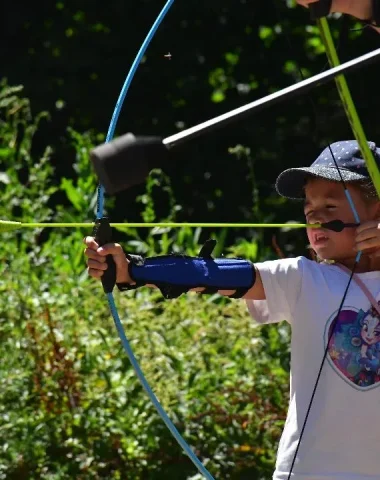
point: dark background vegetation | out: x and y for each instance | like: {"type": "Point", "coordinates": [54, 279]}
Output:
{"type": "Point", "coordinates": [72, 58]}
{"type": "Point", "coordinates": [70, 404]}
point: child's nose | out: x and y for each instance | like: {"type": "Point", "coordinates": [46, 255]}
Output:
{"type": "Point", "coordinates": [318, 217]}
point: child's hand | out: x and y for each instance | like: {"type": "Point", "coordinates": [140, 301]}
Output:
{"type": "Point", "coordinates": [306, 3]}
{"type": "Point", "coordinates": [96, 263]}
{"type": "Point", "coordinates": [368, 238]}
{"type": "Point", "coordinates": [361, 9]}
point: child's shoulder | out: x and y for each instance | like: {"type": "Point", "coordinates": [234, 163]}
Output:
{"type": "Point", "coordinates": [300, 265]}
{"type": "Point", "coordinates": [292, 262]}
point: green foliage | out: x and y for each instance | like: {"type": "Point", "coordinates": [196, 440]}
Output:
{"type": "Point", "coordinates": [223, 56]}
{"type": "Point", "coordinates": [70, 404]}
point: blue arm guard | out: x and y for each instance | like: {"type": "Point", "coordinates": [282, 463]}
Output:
{"type": "Point", "coordinates": [177, 274]}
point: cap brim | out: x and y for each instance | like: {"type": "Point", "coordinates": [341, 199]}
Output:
{"type": "Point", "coordinates": [291, 182]}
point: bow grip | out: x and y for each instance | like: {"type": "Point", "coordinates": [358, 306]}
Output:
{"type": "Point", "coordinates": [103, 234]}
{"type": "Point", "coordinates": [320, 9]}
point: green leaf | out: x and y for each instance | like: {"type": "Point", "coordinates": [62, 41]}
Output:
{"type": "Point", "coordinates": [72, 194]}
{"type": "Point", "coordinates": [218, 96]}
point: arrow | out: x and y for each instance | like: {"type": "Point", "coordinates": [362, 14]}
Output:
{"type": "Point", "coordinates": [334, 225]}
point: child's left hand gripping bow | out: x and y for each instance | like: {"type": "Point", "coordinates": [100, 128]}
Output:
{"type": "Point", "coordinates": [102, 233]}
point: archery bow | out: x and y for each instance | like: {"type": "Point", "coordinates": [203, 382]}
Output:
{"type": "Point", "coordinates": [103, 235]}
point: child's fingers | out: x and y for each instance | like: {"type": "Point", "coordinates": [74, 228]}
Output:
{"type": "Point", "coordinates": [90, 253]}
{"type": "Point", "coordinates": [94, 273]}
{"type": "Point", "coordinates": [366, 234]}
{"type": "Point", "coordinates": [90, 243]}
{"type": "Point", "coordinates": [371, 232]}
{"type": "Point", "coordinates": [367, 225]}
{"type": "Point", "coordinates": [368, 243]}
{"type": "Point", "coordinates": [95, 268]}
{"type": "Point", "coordinates": [111, 249]}
{"type": "Point", "coordinates": [94, 251]}
{"type": "Point", "coordinates": [95, 265]}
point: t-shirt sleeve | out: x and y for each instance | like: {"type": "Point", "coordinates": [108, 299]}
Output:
{"type": "Point", "coordinates": [282, 281]}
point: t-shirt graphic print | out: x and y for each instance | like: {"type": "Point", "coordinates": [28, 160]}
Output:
{"type": "Point", "coordinates": [354, 348]}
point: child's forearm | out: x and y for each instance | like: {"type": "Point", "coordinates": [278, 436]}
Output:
{"type": "Point", "coordinates": [177, 274]}
{"type": "Point", "coordinates": [361, 9]}
{"type": "Point", "coordinates": [256, 292]}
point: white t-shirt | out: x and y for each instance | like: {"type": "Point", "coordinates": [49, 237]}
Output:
{"type": "Point", "coordinates": [342, 436]}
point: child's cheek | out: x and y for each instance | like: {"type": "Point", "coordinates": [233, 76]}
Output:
{"type": "Point", "coordinates": [308, 232]}
{"type": "Point", "coordinates": [346, 239]}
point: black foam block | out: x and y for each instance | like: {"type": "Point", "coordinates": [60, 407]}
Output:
{"type": "Point", "coordinates": [127, 161]}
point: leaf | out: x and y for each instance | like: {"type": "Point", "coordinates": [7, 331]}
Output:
{"type": "Point", "coordinates": [5, 152]}
{"type": "Point", "coordinates": [218, 96]}
{"type": "Point", "coordinates": [72, 194]}
{"type": "Point", "coordinates": [232, 58]}
{"type": "Point", "coordinates": [4, 178]}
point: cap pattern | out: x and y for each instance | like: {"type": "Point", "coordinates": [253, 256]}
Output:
{"type": "Point", "coordinates": [348, 158]}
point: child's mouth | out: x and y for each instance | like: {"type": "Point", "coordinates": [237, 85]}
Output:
{"type": "Point", "coordinates": [320, 238]}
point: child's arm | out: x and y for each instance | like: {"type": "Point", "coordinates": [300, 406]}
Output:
{"type": "Point", "coordinates": [361, 9]}
{"type": "Point", "coordinates": [97, 265]}
{"type": "Point", "coordinates": [256, 292]}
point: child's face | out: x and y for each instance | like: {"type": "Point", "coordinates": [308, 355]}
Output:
{"type": "Point", "coordinates": [324, 201]}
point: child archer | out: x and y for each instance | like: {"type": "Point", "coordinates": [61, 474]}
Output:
{"type": "Point", "coordinates": [341, 438]}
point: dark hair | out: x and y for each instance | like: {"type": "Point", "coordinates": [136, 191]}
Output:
{"type": "Point", "coordinates": [368, 189]}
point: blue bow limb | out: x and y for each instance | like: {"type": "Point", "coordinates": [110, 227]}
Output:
{"type": "Point", "coordinates": [111, 301]}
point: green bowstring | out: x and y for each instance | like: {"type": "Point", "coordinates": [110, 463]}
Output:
{"type": "Point", "coordinates": [7, 226]}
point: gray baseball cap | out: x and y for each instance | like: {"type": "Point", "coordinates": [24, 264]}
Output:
{"type": "Point", "coordinates": [291, 182]}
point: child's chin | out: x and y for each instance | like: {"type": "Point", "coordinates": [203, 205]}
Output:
{"type": "Point", "coordinates": [325, 254]}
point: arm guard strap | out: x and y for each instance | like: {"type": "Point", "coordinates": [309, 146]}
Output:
{"type": "Point", "coordinates": [177, 274]}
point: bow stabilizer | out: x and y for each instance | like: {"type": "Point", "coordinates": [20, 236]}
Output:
{"type": "Point", "coordinates": [127, 161]}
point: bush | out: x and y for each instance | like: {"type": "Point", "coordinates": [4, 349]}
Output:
{"type": "Point", "coordinates": [70, 404]}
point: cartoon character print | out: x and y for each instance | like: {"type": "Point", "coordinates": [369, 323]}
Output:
{"type": "Point", "coordinates": [354, 348]}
